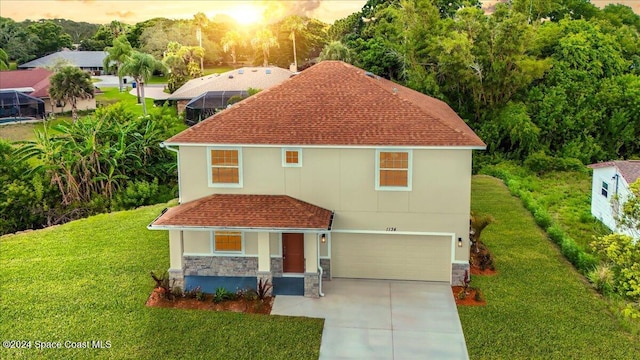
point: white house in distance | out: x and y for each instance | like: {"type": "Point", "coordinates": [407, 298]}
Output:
{"type": "Point", "coordinates": [610, 189]}
{"type": "Point", "coordinates": [334, 172]}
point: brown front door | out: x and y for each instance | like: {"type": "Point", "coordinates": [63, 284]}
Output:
{"type": "Point", "coordinates": [292, 253]}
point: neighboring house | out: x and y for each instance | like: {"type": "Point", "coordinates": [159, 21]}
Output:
{"type": "Point", "coordinates": [610, 189]}
{"type": "Point", "coordinates": [222, 86]}
{"type": "Point", "coordinates": [35, 83]}
{"type": "Point", "coordinates": [333, 173]}
{"type": "Point", "coordinates": [91, 61]}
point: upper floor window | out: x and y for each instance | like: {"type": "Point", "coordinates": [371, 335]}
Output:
{"type": "Point", "coordinates": [393, 170]}
{"type": "Point", "coordinates": [225, 167]}
{"type": "Point", "coordinates": [227, 241]}
{"type": "Point", "coordinates": [291, 157]}
{"type": "Point", "coordinates": [605, 189]}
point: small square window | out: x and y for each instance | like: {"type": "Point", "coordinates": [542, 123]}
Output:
{"type": "Point", "coordinates": [291, 157]}
{"type": "Point", "coordinates": [228, 241]}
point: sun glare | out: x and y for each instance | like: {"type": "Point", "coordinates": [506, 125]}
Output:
{"type": "Point", "coordinates": [246, 14]}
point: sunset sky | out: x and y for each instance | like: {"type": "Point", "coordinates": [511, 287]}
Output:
{"type": "Point", "coordinates": [134, 11]}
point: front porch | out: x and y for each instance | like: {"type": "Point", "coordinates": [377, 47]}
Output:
{"type": "Point", "coordinates": [269, 238]}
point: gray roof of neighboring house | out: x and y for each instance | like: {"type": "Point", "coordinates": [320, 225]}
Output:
{"type": "Point", "coordinates": [240, 79]}
{"type": "Point", "coordinates": [81, 59]}
{"type": "Point", "coordinates": [629, 169]}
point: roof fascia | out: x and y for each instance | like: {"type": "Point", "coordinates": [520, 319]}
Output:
{"type": "Point", "coordinates": [304, 146]}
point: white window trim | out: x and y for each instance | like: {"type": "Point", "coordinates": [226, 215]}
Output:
{"type": "Point", "coordinates": [209, 167]}
{"type": "Point", "coordinates": [409, 171]}
{"type": "Point", "coordinates": [212, 236]}
{"type": "Point", "coordinates": [284, 157]}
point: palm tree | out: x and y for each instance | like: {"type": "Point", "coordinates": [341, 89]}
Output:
{"type": "Point", "coordinates": [141, 66]}
{"type": "Point", "coordinates": [230, 41]}
{"type": "Point", "coordinates": [117, 55]}
{"type": "Point", "coordinates": [70, 84]}
{"type": "Point", "coordinates": [4, 60]}
{"type": "Point", "coordinates": [294, 23]}
{"type": "Point", "coordinates": [336, 50]}
{"type": "Point", "coordinates": [264, 40]}
{"type": "Point", "coordinates": [200, 21]}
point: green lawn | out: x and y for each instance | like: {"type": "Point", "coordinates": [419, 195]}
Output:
{"type": "Point", "coordinates": [112, 95]}
{"type": "Point", "coordinates": [18, 132]}
{"type": "Point", "coordinates": [109, 96]}
{"type": "Point", "coordinates": [538, 306]}
{"type": "Point", "coordinates": [89, 279]}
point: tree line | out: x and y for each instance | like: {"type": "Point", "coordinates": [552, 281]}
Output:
{"type": "Point", "coordinates": [558, 77]}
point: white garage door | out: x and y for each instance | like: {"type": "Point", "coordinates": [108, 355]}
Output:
{"type": "Point", "coordinates": [397, 257]}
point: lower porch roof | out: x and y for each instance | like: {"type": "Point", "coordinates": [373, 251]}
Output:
{"type": "Point", "coordinates": [234, 211]}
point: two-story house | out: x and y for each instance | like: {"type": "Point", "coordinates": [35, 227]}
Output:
{"type": "Point", "coordinates": [333, 173]}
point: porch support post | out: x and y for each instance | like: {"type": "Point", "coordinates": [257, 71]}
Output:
{"type": "Point", "coordinates": [311, 273]}
{"type": "Point", "coordinates": [264, 260]}
{"type": "Point", "coordinates": [176, 250]}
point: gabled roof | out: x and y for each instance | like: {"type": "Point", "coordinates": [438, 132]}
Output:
{"type": "Point", "coordinates": [245, 211]}
{"type": "Point", "coordinates": [334, 103]}
{"type": "Point", "coordinates": [629, 169]}
{"type": "Point", "coordinates": [240, 79]}
{"type": "Point", "coordinates": [82, 59]}
{"type": "Point", "coordinates": [36, 79]}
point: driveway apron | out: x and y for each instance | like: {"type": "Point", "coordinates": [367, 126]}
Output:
{"type": "Point", "coordinates": [381, 319]}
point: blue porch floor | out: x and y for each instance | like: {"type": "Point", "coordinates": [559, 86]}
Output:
{"type": "Point", "coordinates": [288, 286]}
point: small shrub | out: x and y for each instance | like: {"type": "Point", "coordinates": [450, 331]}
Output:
{"type": "Point", "coordinates": [540, 163]}
{"type": "Point", "coordinates": [542, 218]}
{"type": "Point", "coordinates": [177, 291]}
{"type": "Point", "coordinates": [195, 293]}
{"type": "Point", "coordinates": [263, 289]}
{"type": "Point", "coordinates": [221, 295]}
{"type": "Point", "coordinates": [248, 294]}
{"type": "Point", "coordinates": [164, 284]}
{"type": "Point", "coordinates": [602, 278]}
{"type": "Point", "coordinates": [478, 296]}
{"type": "Point", "coordinates": [555, 234]}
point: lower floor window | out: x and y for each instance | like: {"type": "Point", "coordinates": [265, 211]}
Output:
{"type": "Point", "coordinates": [228, 241]}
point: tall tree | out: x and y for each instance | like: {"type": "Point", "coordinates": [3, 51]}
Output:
{"type": "Point", "coordinates": [50, 37]}
{"type": "Point", "coordinates": [230, 42]}
{"type": "Point", "coordinates": [336, 50]}
{"type": "Point", "coordinates": [293, 24]}
{"type": "Point", "coordinates": [264, 40]}
{"type": "Point", "coordinates": [70, 84]}
{"type": "Point", "coordinates": [200, 21]}
{"type": "Point", "coordinates": [117, 55]}
{"type": "Point", "coordinates": [141, 66]}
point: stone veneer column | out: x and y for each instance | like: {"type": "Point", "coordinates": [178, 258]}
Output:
{"type": "Point", "coordinates": [312, 285]}
{"type": "Point", "coordinates": [457, 273]}
{"type": "Point", "coordinates": [176, 278]}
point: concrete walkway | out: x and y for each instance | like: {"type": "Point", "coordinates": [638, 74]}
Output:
{"type": "Point", "coordinates": [379, 319]}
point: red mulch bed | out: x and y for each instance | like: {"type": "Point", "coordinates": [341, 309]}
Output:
{"type": "Point", "coordinates": [486, 272]}
{"type": "Point", "coordinates": [469, 299]}
{"type": "Point", "coordinates": [240, 305]}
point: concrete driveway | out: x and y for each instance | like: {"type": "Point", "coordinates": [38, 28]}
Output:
{"type": "Point", "coordinates": [380, 319]}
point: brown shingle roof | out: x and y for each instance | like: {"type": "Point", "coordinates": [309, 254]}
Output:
{"type": "Point", "coordinates": [37, 78]}
{"type": "Point", "coordinates": [629, 169]}
{"type": "Point", "coordinates": [334, 103]}
{"type": "Point", "coordinates": [245, 211]}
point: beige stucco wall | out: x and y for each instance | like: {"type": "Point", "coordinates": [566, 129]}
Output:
{"type": "Point", "coordinates": [82, 105]}
{"type": "Point", "coordinates": [343, 180]}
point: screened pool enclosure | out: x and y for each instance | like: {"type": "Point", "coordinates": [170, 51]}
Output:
{"type": "Point", "coordinates": [15, 105]}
